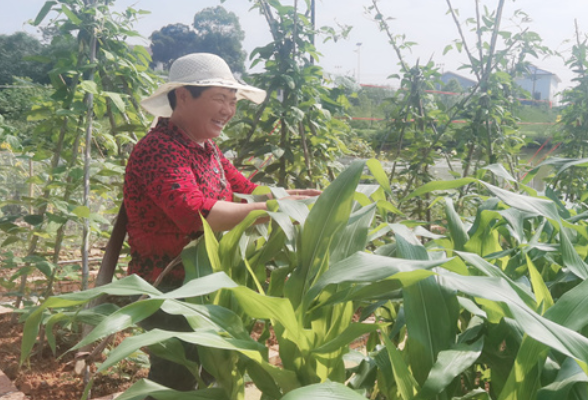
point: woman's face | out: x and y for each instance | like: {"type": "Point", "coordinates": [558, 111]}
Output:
{"type": "Point", "coordinates": [205, 117]}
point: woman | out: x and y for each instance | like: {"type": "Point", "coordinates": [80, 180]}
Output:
{"type": "Point", "coordinates": [176, 175]}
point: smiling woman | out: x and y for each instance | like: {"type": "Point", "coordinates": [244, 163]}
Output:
{"type": "Point", "coordinates": [176, 176]}
{"type": "Point", "coordinates": [216, 106]}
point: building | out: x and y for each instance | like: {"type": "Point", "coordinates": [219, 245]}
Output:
{"type": "Point", "coordinates": [464, 82]}
{"type": "Point", "coordinates": [541, 84]}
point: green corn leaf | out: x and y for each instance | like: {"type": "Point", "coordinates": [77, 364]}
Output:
{"type": "Point", "coordinates": [449, 365]}
{"type": "Point", "coordinates": [199, 287]}
{"type": "Point", "coordinates": [457, 231]}
{"type": "Point", "coordinates": [249, 348]}
{"type": "Point", "coordinates": [274, 308]}
{"type": "Point", "coordinates": [539, 328]}
{"type": "Point", "coordinates": [546, 208]}
{"type": "Point", "coordinates": [525, 376]}
{"type": "Point", "coordinates": [173, 350]}
{"type": "Point", "coordinates": [379, 174]}
{"type": "Point", "coordinates": [492, 270]}
{"type": "Point", "coordinates": [516, 220]}
{"type": "Point", "coordinates": [195, 261]}
{"type": "Point", "coordinates": [407, 385]}
{"type": "Point", "coordinates": [408, 245]}
{"type": "Point", "coordinates": [576, 163]}
{"type": "Point", "coordinates": [431, 314]}
{"type": "Point", "coordinates": [347, 336]}
{"type": "Point", "coordinates": [571, 309]}
{"type": "Point", "coordinates": [228, 249]}
{"type": "Point", "coordinates": [364, 267]}
{"type": "Point", "coordinates": [329, 214]}
{"type": "Point", "coordinates": [121, 320]}
{"type": "Point", "coordinates": [208, 317]}
{"type": "Point", "coordinates": [570, 256]}
{"type": "Point", "coordinates": [355, 235]}
{"type": "Point", "coordinates": [324, 391]}
{"type": "Point", "coordinates": [295, 209]}
{"type": "Point", "coordinates": [270, 250]}
{"type": "Point", "coordinates": [263, 380]}
{"type": "Point", "coordinates": [439, 185]}
{"type": "Point", "coordinates": [476, 394]}
{"type": "Point", "coordinates": [211, 245]}
{"type": "Point", "coordinates": [222, 365]}
{"type": "Point", "coordinates": [283, 220]}
{"type": "Point", "coordinates": [145, 387]}
{"type": "Point", "coordinates": [500, 171]}
{"type": "Point", "coordinates": [131, 285]}
{"type": "Point", "coordinates": [484, 239]}
{"type": "Point", "coordinates": [542, 293]}
{"type": "Point", "coordinates": [54, 319]}
{"type": "Point", "coordinates": [568, 376]}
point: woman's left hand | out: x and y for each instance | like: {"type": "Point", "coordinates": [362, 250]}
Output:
{"type": "Point", "coordinates": [304, 192]}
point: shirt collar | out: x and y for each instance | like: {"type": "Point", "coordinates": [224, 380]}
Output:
{"type": "Point", "coordinates": [176, 133]}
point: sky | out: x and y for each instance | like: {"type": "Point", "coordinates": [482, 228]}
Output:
{"type": "Point", "coordinates": [366, 53]}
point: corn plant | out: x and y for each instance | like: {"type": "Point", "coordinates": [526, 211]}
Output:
{"type": "Point", "coordinates": [491, 308]}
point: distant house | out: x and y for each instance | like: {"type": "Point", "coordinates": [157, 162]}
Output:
{"type": "Point", "coordinates": [540, 83]}
{"type": "Point", "coordinates": [464, 82]}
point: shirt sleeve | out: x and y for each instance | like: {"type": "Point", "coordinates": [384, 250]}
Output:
{"type": "Point", "coordinates": [238, 182]}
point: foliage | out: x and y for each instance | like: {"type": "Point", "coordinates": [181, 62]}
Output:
{"type": "Point", "coordinates": [16, 101]}
{"type": "Point", "coordinates": [488, 307]}
{"type": "Point", "coordinates": [215, 31]}
{"type": "Point", "coordinates": [55, 210]}
{"type": "Point", "coordinates": [172, 42]}
{"type": "Point", "coordinates": [294, 131]}
{"type": "Point", "coordinates": [467, 288]}
{"type": "Point", "coordinates": [17, 52]}
{"type": "Point", "coordinates": [219, 32]}
{"type": "Point", "coordinates": [572, 132]}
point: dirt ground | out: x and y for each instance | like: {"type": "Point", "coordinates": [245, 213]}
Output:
{"type": "Point", "coordinates": [49, 378]}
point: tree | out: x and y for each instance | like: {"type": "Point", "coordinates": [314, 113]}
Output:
{"type": "Point", "coordinates": [13, 51]}
{"type": "Point", "coordinates": [219, 32]}
{"type": "Point", "coordinates": [172, 42]}
{"type": "Point", "coordinates": [216, 31]}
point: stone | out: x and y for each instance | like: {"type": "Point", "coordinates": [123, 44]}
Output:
{"type": "Point", "coordinates": [6, 385]}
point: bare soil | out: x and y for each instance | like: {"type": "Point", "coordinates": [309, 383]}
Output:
{"type": "Point", "coordinates": [46, 377]}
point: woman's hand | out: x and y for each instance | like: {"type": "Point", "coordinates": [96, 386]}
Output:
{"type": "Point", "coordinates": [304, 192]}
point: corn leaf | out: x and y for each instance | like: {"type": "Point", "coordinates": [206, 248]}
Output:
{"type": "Point", "coordinates": [355, 235]}
{"type": "Point", "coordinates": [143, 388]}
{"type": "Point", "coordinates": [431, 314]}
{"type": "Point", "coordinates": [449, 365]}
{"type": "Point", "coordinates": [329, 214]}
{"type": "Point", "coordinates": [457, 231]}
{"type": "Point", "coordinates": [323, 391]}
{"type": "Point", "coordinates": [249, 348]}
{"type": "Point", "coordinates": [439, 185]}
{"type": "Point", "coordinates": [365, 267]}
{"type": "Point", "coordinates": [407, 385]}
{"type": "Point", "coordinates": [570, 376]}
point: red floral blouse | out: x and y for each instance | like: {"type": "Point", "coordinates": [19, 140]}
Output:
{"type": "Point", "coordinates": [170, 181]}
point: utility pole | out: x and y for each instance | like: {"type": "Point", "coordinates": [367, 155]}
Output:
{"type": "Point", "coordinates": [359, 62]}
{"type": "Point", "coordinates": [313, 23]}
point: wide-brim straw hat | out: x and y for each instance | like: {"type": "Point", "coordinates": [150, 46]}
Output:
{"type": "Point", "coordinates": [199, 69]}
